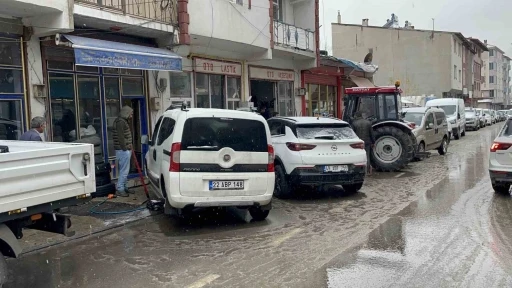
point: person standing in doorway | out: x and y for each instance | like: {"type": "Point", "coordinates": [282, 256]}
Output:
{"type": "Point", "coordinates": [123, 143]}
{"type": "Point", "coordinates": [364, 130]}
{"type": "Point", "coordinates": [37, 126]}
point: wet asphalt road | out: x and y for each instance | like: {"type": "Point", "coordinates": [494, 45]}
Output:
{"type": "Point", "coordinates": [436, 224]}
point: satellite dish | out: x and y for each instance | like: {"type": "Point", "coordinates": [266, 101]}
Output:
{"type": "Point", "coordinates": [368, 58]}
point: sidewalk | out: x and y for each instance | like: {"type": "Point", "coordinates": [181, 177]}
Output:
{"type": "Point", "coordinates": [85, 223]}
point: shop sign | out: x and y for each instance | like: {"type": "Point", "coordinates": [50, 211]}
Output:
{"type": "Point", "coordinates": [271, 74]}
{"type": "Point", "coordinates": [217, 67]}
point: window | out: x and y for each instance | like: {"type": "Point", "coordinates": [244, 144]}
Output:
{"type": "Point", "coordinates": [491, 79]}
{"type": "Point", "coordinates": [454, 45]}
{"type": "Point", "coordinates": [367, 107]}
{"type": "Point", "coordinates": [179, 85]}
{"type": "Point", "coordinates": [90, 129]}
{"type": "Point", "coordinates": [387, 107]}
{"type": "Point", "coordinates": [62, 106]}
{"type": "Point", "coordinates": [276, 128]}
{"type": "Point", "coordinates": [202, 91]}
{"type": "Point", "coordinates": [278, 10]}
{"type": "Point", "coordinates": [10, 120]}
{"type": "Point", "coordinates": [429, 120]}
{"type": "Point", "coordinates": [491, 93]}
{"type": "Point", "coordinates": [491, 53]}
{"type": "Point", "coordinates": [133, 86]}
{"type": "Point", "coordinates": [234, 91]}
{"type": "Point", "coordinates": [455, 72]}
{"type": "Point", "coordinates": [217, 86]}
{"type": "Point", "coordinates": [491, 65]}
{"type": "Point", "coordinates": [166, 130]}
{"type": "Point", "coordinates": [217, 91]}
{"type": "Point", "coordinates": [460, 76]}
{"type": "Point", "coordinates": [325, 131]}
{"type": "Point", "coordinates": [440, 117]}
{"type": "Point", "coordinates": [11, 81]}
{"type": "Point", "coordinates": [213, 134]}
{"type": "Point", "coordinates": [155, 132]}
{"type": "Point", "coordinates": [240, 2]}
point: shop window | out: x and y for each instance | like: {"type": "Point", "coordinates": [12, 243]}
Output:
{"type": "Point", "coordinates": [112, 109]}
{"type": "Point", "coordinates": [285, 98]}
{"type": "Point", "coordinates": [234, 92]}
{"type": "Point", "coordinates": [179, 84]}
{"type": "Point", "coordinates": [11, 81]}
{"type": "Point", "coordinates": [217, 84]}
{"type": "Point", "coordinates": [87, 69]}
{"type": "Point", "coordinates": [110, 70]}
{"type": "Point", "coordinates": [10, 120]}
{"type": "Point", "coordinates": [131, 72]}
{"type": "Point", "coordinates": [332, 95]}
{"type": "Point", "coordinates": [60, 65]}
{"type": "Point", "coordinates": [90, 113]}
{"type": "Point", "coordinates": [133, 86]}
{"type": "Point", "coordinates": [202, 91]}
{"type": "Point", "coordinates": [10, 52]}
{"type": "Point", "coordinates": [62, 105]}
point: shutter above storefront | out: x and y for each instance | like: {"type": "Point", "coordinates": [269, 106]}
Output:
{"type": "Point", "coordinates": [101, 53]}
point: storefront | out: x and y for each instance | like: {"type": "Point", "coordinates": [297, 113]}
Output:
{"type": "Point", "coordinates": [90, 81]}
{"type": "Point", "coordinates": [322, 97]}
{"type": "Point", "coordinates": [218, 84]}
{"type": "Point", "coordinates": [12, 90]}
{"type": "Point", "coordinates": [273, 89]}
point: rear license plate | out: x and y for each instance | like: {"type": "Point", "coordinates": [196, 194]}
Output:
{"type": "Point", "coordinates": [335, 168]}
{"type": "Point", "coordinates": [227, 185]}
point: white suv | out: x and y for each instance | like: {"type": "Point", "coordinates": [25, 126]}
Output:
{"type": "Point", "coordinates": [500, 160]}
{"type": "Point", "coordinates": [212, 158]}
{"type": "Point", "coordinates": [316, 151]}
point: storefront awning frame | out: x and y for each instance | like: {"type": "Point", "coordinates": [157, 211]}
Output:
{"type": "Point", "coordinates": [102, 53]}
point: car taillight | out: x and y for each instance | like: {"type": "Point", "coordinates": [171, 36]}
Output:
{"type": "Point", "coordinates": [412, 125]}
{"type": "Point", "coordinates": [357, 145]}
{"type": "Point", "coordinates": [270, 165]}
{"type": "Point", "coordinates": [175, 157]}
{"type": "Point", "coordinates": [299, 146]}
{"type": "Point", "coordinates": [499, 146]}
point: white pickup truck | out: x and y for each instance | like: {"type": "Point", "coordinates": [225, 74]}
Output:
{"type": "Point", "coordinates": [37, 179]}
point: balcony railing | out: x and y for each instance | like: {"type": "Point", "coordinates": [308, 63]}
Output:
{"type": "Point", "coordinates": [164, 11]}
{"type": "Point", "coordinates": [291, 36]}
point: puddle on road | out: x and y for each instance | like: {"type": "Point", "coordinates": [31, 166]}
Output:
{"type": "Point", "coordinates": [458, 234]}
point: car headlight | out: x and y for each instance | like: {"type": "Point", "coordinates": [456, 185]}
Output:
{"type": "Point", "coordinates": [452, 121]}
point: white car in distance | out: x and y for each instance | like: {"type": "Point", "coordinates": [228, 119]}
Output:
{"type": "Point", "coordinates": [316, 151]}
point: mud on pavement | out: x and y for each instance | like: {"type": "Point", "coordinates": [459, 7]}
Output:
{"type": "Point", "coordinates": [293, 248]}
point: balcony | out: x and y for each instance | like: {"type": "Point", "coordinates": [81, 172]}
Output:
{"type": "Point", "coordinates": [293, 37]}
{"type": "Point", "coordinates": [159, 11]}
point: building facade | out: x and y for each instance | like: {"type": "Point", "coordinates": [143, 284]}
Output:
{"type": "Point", "coordinates": [76, 62]}
{"type": "Point", "coordinates": [477, 77]}
{"type": "Point", "coordinates": [496, 72]}
{"type": "Point", "coordinates": [426, 62]}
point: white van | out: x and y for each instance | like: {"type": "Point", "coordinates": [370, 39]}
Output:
{"type": "Point", "coordinates": [454, 109]}
{"type": "Point", "coordinates": [212, 158]}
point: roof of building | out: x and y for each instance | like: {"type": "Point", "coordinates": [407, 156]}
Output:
{"type": "Point", "coordinates": [493, 47]}
{"type": "Point", "coordinates": [479, 43]}
{"type": "Point", "coordinates": [457, 34]}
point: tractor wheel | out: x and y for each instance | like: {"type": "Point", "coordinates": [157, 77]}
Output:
{"type": "Point", "coordinates": [393, 149]}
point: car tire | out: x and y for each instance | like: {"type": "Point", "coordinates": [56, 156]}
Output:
{"type": "Point", "coordinates": [456, 136]}
{"type": "Point", "coordinates": [443, 149]}
{"type": "Point", "coordinates": [282, 188]}
{"type": "Point", "coordinates": [3, 270]}
{"type": "Point", "coordinates": [501, 188]}
{"type": "Point", "coordinates": [258, 214]}
{"type": "Point", "coordinates": [421, 148]}
{"type": "Point", "coordinates": [352, 188]}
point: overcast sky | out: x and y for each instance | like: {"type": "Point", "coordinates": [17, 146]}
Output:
{"type": "Point", "coordinates": [473, 18]}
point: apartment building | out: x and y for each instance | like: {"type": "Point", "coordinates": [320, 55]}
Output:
{"type": "Point", "coordinates": [477, 79]}
{"type": "Point", "coordinates": [76, 62]}
{"type": "Point", "coordinates": [427, 62]}
{"type": "Point", "coordinates": [496, 71]}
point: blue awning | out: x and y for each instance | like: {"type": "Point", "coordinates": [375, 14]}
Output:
{"type": "Point", "coordinates": [94, 52]}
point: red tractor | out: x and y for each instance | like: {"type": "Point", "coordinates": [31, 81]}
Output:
{"type": "Point", "coordinates": [395, 144]}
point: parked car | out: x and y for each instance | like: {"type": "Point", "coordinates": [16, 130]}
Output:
{"type": "Point", "coordinates": [472, 120]}
{"type": "Point", "coordinates": [503, 115]}
{"type": "Point", "coordinates": [481, 118]}
{"type": "Point", "coordinates": [488, 117]}
{"type": "Point", "coordinates": [454, 110]}
{"type": "Point", "coordinates": [431, 129]}
{"type": "Point", "coordinates": [500, 159]}
{"type": "Point", "coordinates": [316, 151]}
{"type": "Point", "coordinates": [493, 116]}
{"type": "Point", "coordinates": [212, 158]}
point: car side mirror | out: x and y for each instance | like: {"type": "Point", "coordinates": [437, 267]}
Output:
{"type": "Point", "coordinates": [430, 126]}
{"type": "Point", "coordinates": [144, 139]}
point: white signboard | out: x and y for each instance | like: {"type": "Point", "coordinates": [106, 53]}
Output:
{"type": "Point", "coordinates": [271, 74]}
{"type": "Point", "coordinates": [217, 67]}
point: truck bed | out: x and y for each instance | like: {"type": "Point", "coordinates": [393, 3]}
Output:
{"type": "Point", "coordinates": [36, 173]}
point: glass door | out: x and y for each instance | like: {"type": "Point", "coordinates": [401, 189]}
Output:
{"type": "Point", "coordinates": [11, 119]}
{"type": "Point", "coordinates": [138, 128]}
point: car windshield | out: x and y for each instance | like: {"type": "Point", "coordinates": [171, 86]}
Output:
{"type": "Point", "coordinates": [213, 134]}
{"type": "Point", "coordinates": [449, 110]}
{"type": "Point", "coordinates": [325, 131]}
{"type": "Point", "coordinates": [470, 113]}
{"type": "Point", "coordinates": [477, 112]}
{"type": "Point", "coordinates": [414, 117]}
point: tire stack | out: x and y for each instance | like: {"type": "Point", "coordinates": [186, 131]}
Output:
{"type": "Point", "coordinates": [104, 185]}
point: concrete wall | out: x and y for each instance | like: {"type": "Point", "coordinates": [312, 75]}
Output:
{"type": "Point", "coordinates": [456, 60]}
{"type": "Point", "coordinates": [300, 14]}
{"type": "Point", "coordinates": [231, 21]}
{"type": "Point", "coordinates": [422, 63]}
{"type": "Point", "coordinates": [55, 16]}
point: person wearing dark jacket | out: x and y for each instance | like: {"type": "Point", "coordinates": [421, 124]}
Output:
{"type": "Point", "coordinates": [364, 130]}
{"type": "Point", "coordinates": [37, 124]}
{"type": "Point", "coordinates": [123, 143]}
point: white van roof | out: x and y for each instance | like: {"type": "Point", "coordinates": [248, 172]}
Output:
{"type": "Point", "coordinates": [444, 101]}
{"type": "Point", "coordinates": [210, 112]}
